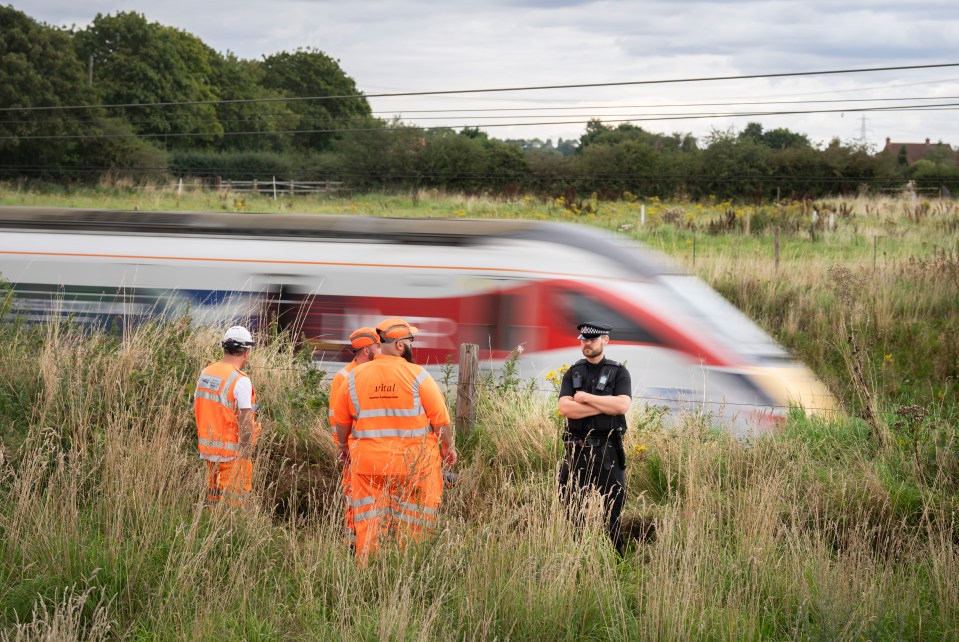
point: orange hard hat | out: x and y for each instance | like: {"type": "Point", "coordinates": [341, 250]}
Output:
{"type": "Point", "coordinates": [394, 329]}
{"type": "Point", "coordinates": [363, 337]}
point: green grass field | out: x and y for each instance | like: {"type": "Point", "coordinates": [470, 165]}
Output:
{"type": "Point", "coordinates": [845, 529]}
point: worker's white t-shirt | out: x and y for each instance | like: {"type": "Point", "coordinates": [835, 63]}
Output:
{"type": "Point", "coordinates": [243, 393]}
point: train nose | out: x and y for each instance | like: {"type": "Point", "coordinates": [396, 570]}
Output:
{"type": "Point", "coordinates": [797, 385]}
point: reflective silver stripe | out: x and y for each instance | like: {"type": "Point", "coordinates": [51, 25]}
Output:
{"type": "Point", "coordinates": [209, 396]}
{"type": "Point", "coordinates": [220, 399]}
{"type": "Point", "coordinates": [426, 510]}
{"type": "Point", "coordinates": [394, 327]}
{"type": "Point", "coordinates": [351, 382]}
{"type": "Point", "coordinates": [362, 501]}
{"type": "Point", "coordinates": [370, 514]}
{"type": "Point", "coordinates": [403, 517]}
{"type": "Point", "coordinates": [211, 443]}
{"type": "Point", "coordinates": [390, 412]}
{"type": "Point", "coordinates": [227, 387]}
{"type": "Point", "coordinates": [420, 378]}
{"type": "Point", "coordinates": [361, 335]}
{"type": "Point", "coordinates": [400, 515]}
{"type": "Point", "coordinates": [392, 512]}
{"type": "Point", "coordinates": [415, 411]}
{"type": "Point", "coordinates": [391, 432]}
{"type": "Point", "coordinates": [343, 372]}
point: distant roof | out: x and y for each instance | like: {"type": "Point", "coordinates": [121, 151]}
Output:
{"type": "Point", "coordinates": [915, 151]}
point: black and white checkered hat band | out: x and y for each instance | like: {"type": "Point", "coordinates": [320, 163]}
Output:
{"type": "Point", "coordinates": [590, 331]}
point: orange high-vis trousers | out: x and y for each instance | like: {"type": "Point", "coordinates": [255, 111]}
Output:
{"type": "Point", "coordinates": [394, 508]}
{"type": "Point", "coordinates": [349, 530]}
{"type": "Point", "coordinates": [229, 483]}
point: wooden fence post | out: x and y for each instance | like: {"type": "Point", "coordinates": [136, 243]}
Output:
{"type": "Point", "coordinates": [466, 388]}
{"type": "Point", "coordinates": [777, 248]}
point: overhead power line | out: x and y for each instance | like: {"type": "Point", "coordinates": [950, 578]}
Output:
{"type": "Point", "coordinates": [654, 118]}
{"type": "Point", "coordinates": [659, 105]}
{"type": "Point", "coordinates": [541, 112]}
{"type": "Point", "coordinates": [792, 74]}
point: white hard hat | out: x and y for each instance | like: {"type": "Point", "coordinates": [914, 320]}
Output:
{"type": "Point", "coordinates": [238, 337]}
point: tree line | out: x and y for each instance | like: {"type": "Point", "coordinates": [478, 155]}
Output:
{"type": "Point", "coordinates": [128, 97]}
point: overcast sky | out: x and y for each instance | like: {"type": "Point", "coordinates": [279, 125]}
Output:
{"type": "Point", "coordinates": [427, 45]}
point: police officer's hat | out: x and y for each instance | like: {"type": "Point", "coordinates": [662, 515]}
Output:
{"type": "Point", "coordinates": [593, 329]}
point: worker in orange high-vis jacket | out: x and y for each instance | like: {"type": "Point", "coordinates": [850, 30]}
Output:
{"type": "Point", "coordinates": [225, 407]}
{"type": "Point", "coordinates": [365, 344]}
{"type": "Point", "coordinates": [394, 431]}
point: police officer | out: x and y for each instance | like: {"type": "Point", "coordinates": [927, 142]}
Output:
{"type": "Point", "coordinates": [594, 396]}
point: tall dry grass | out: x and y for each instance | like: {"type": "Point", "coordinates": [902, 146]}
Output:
{"type": "Point", "coordinates": [818, 532]}
{"type": "Point", "coordinates": [899, 311]}
{"type": "Point", "coordinates": [805, 534]}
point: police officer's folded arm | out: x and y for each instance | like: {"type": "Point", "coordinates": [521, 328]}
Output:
{"type": "Point", "coordinates": [607, 405]}
{"type": "Point", "coordinates": [572, 409]}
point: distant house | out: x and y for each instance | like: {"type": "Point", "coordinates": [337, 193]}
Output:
{"type": "Point", "coordinates": [917, 151]}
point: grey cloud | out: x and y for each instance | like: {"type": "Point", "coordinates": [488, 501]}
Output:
{"type": "Point", "coordinates": [434, 44]}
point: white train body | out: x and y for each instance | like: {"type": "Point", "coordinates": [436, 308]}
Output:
{"type": "Point", "coordinates": [498, 284]}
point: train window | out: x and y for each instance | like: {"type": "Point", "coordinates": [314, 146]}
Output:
{"type": "Point", "coordinates": [707, 307]}
{"type": "Point", "coordinates": [582, 307]}
{"type": "Point", "coordinates": [509, 312]}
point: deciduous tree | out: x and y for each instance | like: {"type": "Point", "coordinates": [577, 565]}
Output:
{"type": "Point", "coordinates": [334, 101]}
{"type": "Point", "coordinates": [39, 70]}
{"type": "Point", "coordinates": [161, 76]}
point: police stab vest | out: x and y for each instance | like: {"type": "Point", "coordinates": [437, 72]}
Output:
{"type": "Point", "coordinates": [602, 384]}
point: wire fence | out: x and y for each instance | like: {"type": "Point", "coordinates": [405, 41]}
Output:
{"type": "Point", "coordinates": [278, 188]}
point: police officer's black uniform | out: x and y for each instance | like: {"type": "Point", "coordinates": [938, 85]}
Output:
{"type": "Point", "coordinates": [594, 454]}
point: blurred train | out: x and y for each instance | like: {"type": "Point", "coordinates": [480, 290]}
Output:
{"type": "Point", "coordinates": [496, 283]}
